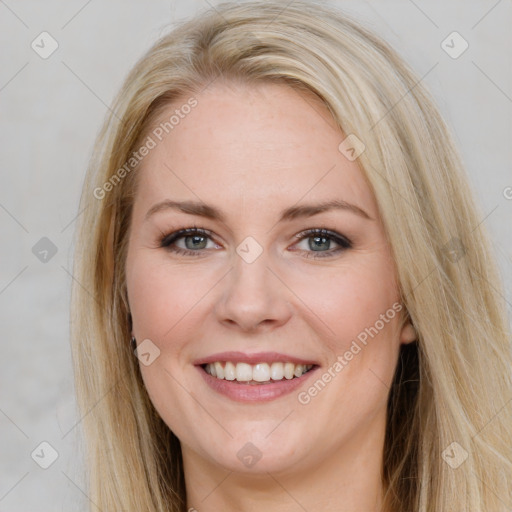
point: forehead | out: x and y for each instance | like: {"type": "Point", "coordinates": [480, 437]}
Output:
{"type": "Point", "coordinates": [265, 144]}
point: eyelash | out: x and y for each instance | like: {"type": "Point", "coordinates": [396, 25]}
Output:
{"type": "Point", "coordinates": [167, 240]}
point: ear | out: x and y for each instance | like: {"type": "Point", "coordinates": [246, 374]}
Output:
{"type": "Point", "coordinates": [408, 333]}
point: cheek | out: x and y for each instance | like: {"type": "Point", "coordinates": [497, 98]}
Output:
{"type": "Point", "coordinates": [357, 311]}
{"type": "Point", "coordinates": [161, 296]}
{"type": "Point", "coordinates": [164, 307]}
{"type": "Point", "coordinates": [357, 314]}
{"type": "Point", "coordinates": [350, 300]}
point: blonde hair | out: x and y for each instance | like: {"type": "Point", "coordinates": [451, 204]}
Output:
{"type": "Point", "coordinates": [452, 385]}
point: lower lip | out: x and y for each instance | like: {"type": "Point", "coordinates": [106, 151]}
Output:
{"type": "Point", "coordinates": [255, 392]}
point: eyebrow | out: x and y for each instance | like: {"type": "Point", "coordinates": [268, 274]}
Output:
{"type": "Point", "coordinates": [294, 212]}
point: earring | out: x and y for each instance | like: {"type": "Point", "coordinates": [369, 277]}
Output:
{"type": "Point", "coordinates": [133, 343]}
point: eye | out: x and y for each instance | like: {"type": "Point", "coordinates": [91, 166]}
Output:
{"type": "Point", "coordinates": [195, 240]}
{"type": "Point", "coordinates": [319, 239]}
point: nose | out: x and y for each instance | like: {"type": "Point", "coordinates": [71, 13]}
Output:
{"type": "Point", "coordinates": [254, 297]}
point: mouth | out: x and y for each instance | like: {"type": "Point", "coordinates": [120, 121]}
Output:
{"type": "Point", "coordinates": [256, 374]}
{"type": "Point", "coordinates": [259, 378]}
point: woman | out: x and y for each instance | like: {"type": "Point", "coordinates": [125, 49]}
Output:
{"type": "Point", "coordinates": [277, 221]}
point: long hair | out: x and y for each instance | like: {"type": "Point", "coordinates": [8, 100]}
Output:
{"type": "Point", "coordinates": [449, 427]}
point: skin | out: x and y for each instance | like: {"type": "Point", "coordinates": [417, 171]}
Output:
{"type": "Point", "coordinates": [252, 151]}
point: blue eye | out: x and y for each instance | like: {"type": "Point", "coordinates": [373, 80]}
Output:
{"type": "Point", "coordinates": [319, 238]}
{"type": "Point", "coordinates": [196, 240]}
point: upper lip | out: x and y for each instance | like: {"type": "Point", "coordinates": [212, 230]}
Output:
{"type": "Point", "coordinates": [254, 358]}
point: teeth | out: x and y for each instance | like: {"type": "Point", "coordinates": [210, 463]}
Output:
{"type": "Point", "coordinates": [229, 371]}
{"type": "Point", "coordinates": [261, 372]}
{"type": "Point", "coordinates": [219, 371]}
{"type": "Point", "coordinates": [243, 372]}
{"type": "Point", "coordinates": [289, 370]}
{"type": "Point", "coordinates": [299, 370]}
{"type": "Point", "coordinates": [276, 371]}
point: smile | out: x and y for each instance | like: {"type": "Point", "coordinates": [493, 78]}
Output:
{"type": "Point", "coordinates": [256, 373]}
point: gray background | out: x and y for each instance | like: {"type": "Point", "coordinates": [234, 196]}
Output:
{"type": "Point", "coordinates": [51, 110]}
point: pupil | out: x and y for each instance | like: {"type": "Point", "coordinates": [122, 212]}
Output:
{"type": "Point", "coordinates": [196, 238]}
{"type": "Point", "coordinates": [324, 242]}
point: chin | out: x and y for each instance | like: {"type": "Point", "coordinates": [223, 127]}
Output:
{"type": "Point", "coordinates": [252, 454]}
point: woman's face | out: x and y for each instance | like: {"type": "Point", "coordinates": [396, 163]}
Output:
{"type": "Point", "coordinates": [253, 166]}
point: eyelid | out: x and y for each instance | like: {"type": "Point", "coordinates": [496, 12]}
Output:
{"type": "Point", "coordinates": [166, 239]}
{"type": "Point", "coordinates": [341, 240]}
